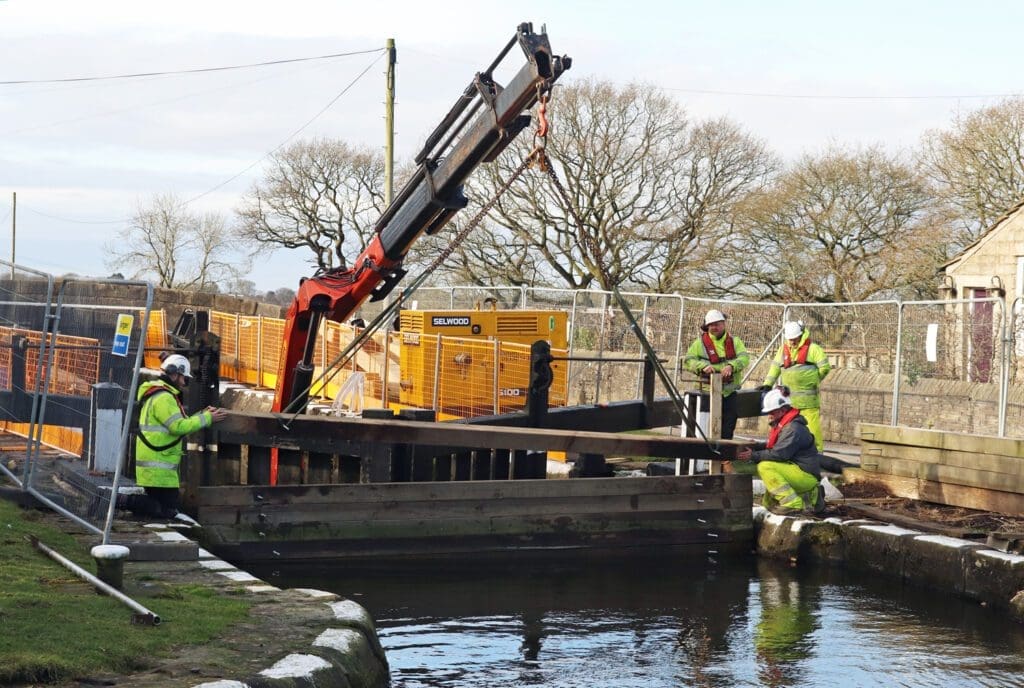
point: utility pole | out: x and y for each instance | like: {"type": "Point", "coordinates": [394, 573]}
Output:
{"type": "Point", "coordinates": [14, 226]}
{"type": "Point", "coordinates": [389, 124]}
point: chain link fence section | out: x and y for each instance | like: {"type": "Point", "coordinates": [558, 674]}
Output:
{"type": "Point", "coordinates": [856, 336]}
{"type": "Point", "coordinates": [1013, 421]}
{"type": "Point", "coordinates": [25, 309]}
{"type": "Point", "coordinates": [98, 330]}
{"type": "Point", "coordinates": [950, 349]}
{"type": "Point", "coordinates": [757, 324]}
{"type": "Point", "coordinates": [872, 338]}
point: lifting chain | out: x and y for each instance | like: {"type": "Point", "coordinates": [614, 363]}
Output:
{"type": "Point", "coordinates": [589, 239]}
{"type": "Point", "coordinates": [336, 365]}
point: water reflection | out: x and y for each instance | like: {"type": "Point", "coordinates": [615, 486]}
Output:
{"type": "Point", "coordinates": [789, 613]}
{"type": "Point", "coordinates": [664, 621]}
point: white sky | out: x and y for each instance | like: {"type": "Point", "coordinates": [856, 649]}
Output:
{"type": "Point", "coordinates": [82, 156]}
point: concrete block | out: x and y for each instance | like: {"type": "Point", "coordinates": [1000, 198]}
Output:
{"type": "Point", "coordinates": [877, 547]}
{"type": "Point", "coordinates": [937, 561]}
{"type": "Point", "coordinates": [993, 577]}
{"type": "Point", "coordinates": [779, 536]}
{"type": "Point", "coordinates": [162, 551]}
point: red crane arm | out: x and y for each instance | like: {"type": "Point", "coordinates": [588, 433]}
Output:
{"type": "Point", "coordinates": [483, 121]}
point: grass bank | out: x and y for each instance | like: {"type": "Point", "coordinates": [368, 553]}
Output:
{"type": "Point", "coordinates": [55, 627]}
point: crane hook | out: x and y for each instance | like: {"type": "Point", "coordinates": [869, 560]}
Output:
{"type": "Point", "coordinates": [542, 116]}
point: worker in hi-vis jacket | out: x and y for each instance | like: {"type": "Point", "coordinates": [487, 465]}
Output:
{"type": "Point", "coordinates": [801, 365]}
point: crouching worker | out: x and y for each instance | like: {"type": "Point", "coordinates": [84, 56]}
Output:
{"type": "Point", "coordinates": [163, 424]}
{"type": "Point", "coordinates": [788, 463]}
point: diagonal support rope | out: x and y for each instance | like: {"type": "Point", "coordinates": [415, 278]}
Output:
{"type": "Point", "coordinates": [649, 352]}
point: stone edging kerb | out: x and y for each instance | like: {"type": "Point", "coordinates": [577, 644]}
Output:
{"type": "Point", "coordinates": [971, 570]}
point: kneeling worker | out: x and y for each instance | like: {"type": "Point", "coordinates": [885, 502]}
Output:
{"type": "Point", "coordinates": [788, 463]}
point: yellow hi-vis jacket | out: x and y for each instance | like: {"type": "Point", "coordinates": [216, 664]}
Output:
{"type": "Point", "coordinates": [163, 421]}
{"type": "Point", "coordinates": [802, 378]}
{"type": "Point", "coordinates": [697, 358]}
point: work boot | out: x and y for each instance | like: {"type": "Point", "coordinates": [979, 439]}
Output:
{"type": "Point", "coordinates": [780, 510]}
{"type": "Point", "coordinates": [182, 517]}
{"type": "Point", "coordinates": [819, 504]}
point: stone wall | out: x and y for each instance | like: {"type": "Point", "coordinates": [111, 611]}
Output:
{"type": "Point", "coordinates": [172, 301]}
{"type": "Point", "coordinates": [849, 397]}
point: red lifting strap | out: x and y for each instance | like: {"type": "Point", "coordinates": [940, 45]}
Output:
{"type": "Point", "coordinates": [709, 348]}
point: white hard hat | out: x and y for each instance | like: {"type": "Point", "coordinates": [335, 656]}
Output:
{"type": "Point", "coordinates": [792, 329]}
{"type": "Point", "coordinates": [176, 364]}
{"type": "Point", "coordinates": [714, 316]}
{"type": "Point", "coordinates": [773, 400]}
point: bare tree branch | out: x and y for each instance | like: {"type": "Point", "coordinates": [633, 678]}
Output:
{"type": "Point", "coordinates": [848, 225]}
{"type": "Point", "coordinates": [653, 193]}
{"type": "Point", "coordinates": [977, 166]}
{"type": "Point", "coordinates": [322, 195]}
{"type": "Point", "coordinates": [176, 248]}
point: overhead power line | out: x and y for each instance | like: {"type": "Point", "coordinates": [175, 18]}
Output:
{"type": "Point", "coordinates": [200, 70]}
{"type": "Point", "coordinates": [295, 133]}
{"type": "Point", "coordinates": [814, 96]}
{"type": "Point", "coordinates": [224, 183]}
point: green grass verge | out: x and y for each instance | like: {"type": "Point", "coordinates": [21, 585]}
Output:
{"type": "Point", "coordinates": [55, 627]}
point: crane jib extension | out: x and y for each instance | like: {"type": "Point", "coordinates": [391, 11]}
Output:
{"type": "Point", "coordinates": [483, 121]}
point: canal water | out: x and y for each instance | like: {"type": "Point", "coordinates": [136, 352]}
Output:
{"type": "Point", "coordinates": [659, 622]}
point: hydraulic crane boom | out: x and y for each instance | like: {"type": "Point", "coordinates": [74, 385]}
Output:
{"type": "Point", "coordinates": [483, 121]}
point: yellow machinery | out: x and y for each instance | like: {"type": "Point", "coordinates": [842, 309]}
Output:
{"type": "Point", "coordinates": [463, 381]}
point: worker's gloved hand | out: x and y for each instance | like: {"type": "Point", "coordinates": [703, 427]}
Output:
{"type": "Point", "coordinates": [764, 388]}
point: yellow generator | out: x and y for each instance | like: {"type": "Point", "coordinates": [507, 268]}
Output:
{"type": "Point", "coordinates": [463, 381]}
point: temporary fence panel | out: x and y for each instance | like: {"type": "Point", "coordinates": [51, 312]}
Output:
{"type": "Point", "coordinates": [226, 327]}
{"type": "Point", "coordinates": [250, 335]}
{"type": "Point", "coordinates": [756, 324]}
{"type": "Point", "coordinates": [156, 337]}
{"type": "Point", "coordinates": [99, 327]}
{"type": "Point", "coordinates": [871, 337]}
{"type": "Point", "coordinates": [956, 343]}
{"type": "Point", "coordinates": [25, 308]}
{"type": "Point", "coordinates": [1013, 412]}
{"type": "Point", "coordinates": [271, 335]}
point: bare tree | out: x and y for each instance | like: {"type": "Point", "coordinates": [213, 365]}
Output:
{"type": "Point", "coordinates": [977, 166]}
{"type": "Point", "coordinates": [847, 225]}
{"type": "Point", "coordinates": [179, 249]}
{"type": "Point", "coordinates": [652, 190]}
{"type": "Point", "coordinates": [321, 195]}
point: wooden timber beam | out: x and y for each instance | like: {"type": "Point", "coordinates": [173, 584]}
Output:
{"type": "Point", "coordinates": [331, 435]}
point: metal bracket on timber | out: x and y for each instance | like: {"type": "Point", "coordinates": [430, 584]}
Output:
{"type": "Point", "coordinates": [332, 435]}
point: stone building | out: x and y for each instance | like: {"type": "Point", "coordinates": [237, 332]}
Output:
{"type": "Point", "coordinates": [991, 267]}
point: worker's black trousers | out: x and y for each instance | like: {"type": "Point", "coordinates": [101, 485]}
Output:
{"type": "Point", "coordinates": [729, 416]}
{"type": "Point", "coordinates": [160, 502]}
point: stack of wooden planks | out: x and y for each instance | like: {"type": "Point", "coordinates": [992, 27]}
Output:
{"type": "Point", "coordinates": [971, 471]}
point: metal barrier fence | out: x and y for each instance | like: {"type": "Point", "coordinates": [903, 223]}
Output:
{"type": "Point", "coordinates": [908, 348]}
{"type": "Point", "coordinates": [913, 349]}
{"type": "Point", "coordinates": [457, 377]}
{"type": "Point", "coordinates": [69, 368]}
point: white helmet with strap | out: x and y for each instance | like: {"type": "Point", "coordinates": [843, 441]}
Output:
{"type": "Point", "coordinates": [793, 329]}
{"type": "Point", "coordinates": [176, 364]}
{"type": "Point", "coordinates": [774, 399]}
{"type": "Point", "coordinates": [714, 315]}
